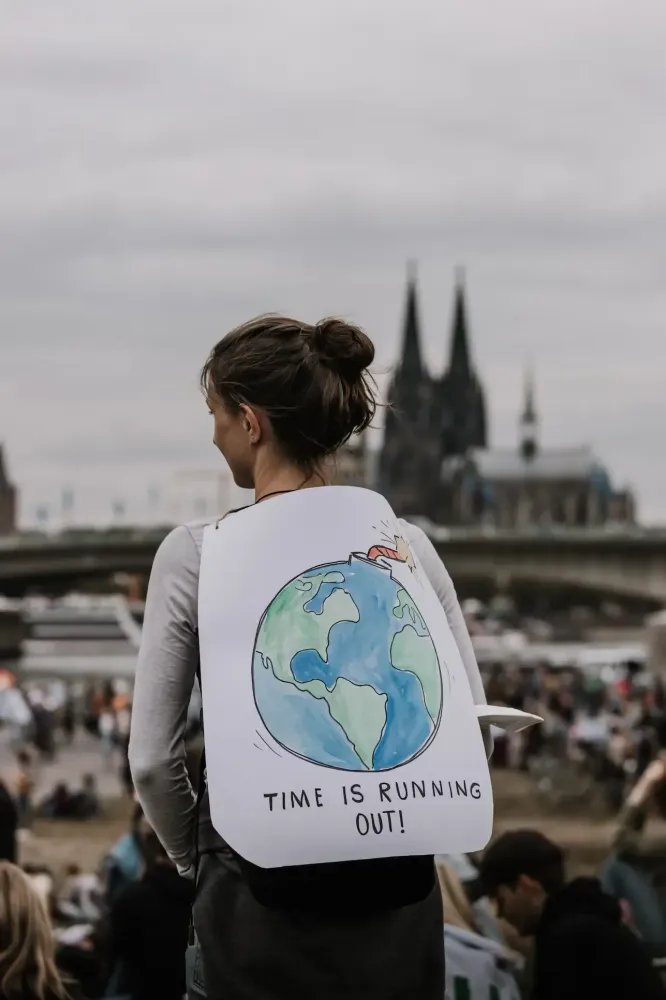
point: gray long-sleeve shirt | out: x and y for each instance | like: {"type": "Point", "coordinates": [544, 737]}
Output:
{"type": "Point", "coordinates": [166, 673]}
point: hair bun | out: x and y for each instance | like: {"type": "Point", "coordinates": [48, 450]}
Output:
{"type": "Point", "coordinates": [343, 347]}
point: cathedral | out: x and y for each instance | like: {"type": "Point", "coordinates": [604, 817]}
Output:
{"type": "Point", "coordinates": [436, 461]}
{"type": "Point", "coordinates": [430, 420]}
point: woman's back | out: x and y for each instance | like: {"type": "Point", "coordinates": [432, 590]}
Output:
{"type": "Point", "coordinates": [284, 396]}
{"type": "Point", "coordinates": [382, 953]}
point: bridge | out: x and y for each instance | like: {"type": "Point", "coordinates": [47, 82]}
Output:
{"type": "Point", "coordinates": [36, 561]}
{"type": "Point", "coordinates": [622, 564]}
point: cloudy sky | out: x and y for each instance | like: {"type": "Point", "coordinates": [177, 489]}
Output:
{"type": "Point", "coordinates": [168, 169]}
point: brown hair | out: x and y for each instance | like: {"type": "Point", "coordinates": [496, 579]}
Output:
{"type": "Point", "coordinates": [27, 963]}
{"type": "Point", "coordinates": [311, 381]}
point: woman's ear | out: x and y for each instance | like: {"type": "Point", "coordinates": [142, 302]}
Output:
{"type": "Point", "coordinates": [251, 423]}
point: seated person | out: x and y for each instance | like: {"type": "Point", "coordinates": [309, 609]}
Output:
{"type": "Point", "coordinates": [85, 803]}
{"type": "Point", "coordinates": [582, 948]}
{"type": "Point", "coordinates": [65, 804]}
{"type": "Point", "coordinates": [80, 958]}
{"type": "Point", "coordinates": [483, 909]}
{"type": "Point", "coordinates": [81, 898]}
{"type": "Point", "coordinates": [125, 862]}
{"type": "Point", "coordinates": [56, 805]}
{"type": "Point", "coordinates": [149, 923]}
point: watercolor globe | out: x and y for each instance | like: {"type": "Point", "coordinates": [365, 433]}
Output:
{"type": "Point", "coordinates": [345, 672]}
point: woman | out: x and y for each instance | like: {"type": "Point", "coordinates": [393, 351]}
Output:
{"type": "Point", "coordinates": [27, 963]}
{"type": "Point", "coordinates": [477, 967]}
{"type": "Point", "coordinates": [284, 396]}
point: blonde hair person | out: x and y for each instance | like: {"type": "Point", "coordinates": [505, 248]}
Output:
{"type": "Point", "coordinates": [27, 952]}
{"type": "Point", "coordinates": [476, 966]}
{"type": "Point", "coordinates": [457, 907]}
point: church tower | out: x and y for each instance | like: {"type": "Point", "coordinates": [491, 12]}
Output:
{"type": "Point", "coordinates": [460, 409]}
{"type": "Point", "coordinates": [406, 462]}
{"type": "Point", "coordinates": [529, 423]}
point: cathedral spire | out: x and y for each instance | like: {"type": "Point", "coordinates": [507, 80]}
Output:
{"type": "Point", "coordinates": [460, 360]}
{"type": "Point", "coordinates": [529, 410]}
{"type": "Point", "coordinates": [528, 420]}
{"type": "Point", "coordinates": [411, 364]}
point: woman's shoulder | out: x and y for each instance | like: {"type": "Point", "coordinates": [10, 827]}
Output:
{"type": "Point", "coordinates": [179, 553]}
{"type": "Point", "coordinates": [182, 541]}
{"type": "Point", "coordinates": [412, 532]}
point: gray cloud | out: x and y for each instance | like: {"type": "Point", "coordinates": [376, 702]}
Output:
{"type": "Point", "coordinates": [165, 172]}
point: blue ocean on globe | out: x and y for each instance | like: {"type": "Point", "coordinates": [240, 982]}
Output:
{"type": "Point", "coordinates": [345, 671]}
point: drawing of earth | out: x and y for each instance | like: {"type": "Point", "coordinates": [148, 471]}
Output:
{"type": "Point", "coordinates": [345, 672]}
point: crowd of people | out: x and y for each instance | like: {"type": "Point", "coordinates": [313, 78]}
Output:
{"type": "Point", "coordinates": [595, 732]}
{"type": "Point", "coordinates": [513, 926]}
{"type": "Point", "coordinates": [118, 932]}
{"type": "Point", "coordinates": [53, 723]}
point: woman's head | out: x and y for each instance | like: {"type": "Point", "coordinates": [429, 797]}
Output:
{"type": "Point", "coordinates": [282, 391]}
{"type": "Point", "coordinates": [27, 964]}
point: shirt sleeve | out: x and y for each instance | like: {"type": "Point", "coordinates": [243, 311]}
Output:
{"type": "Point", "coordinates": [442, 584]}
{"type": "Point", "coordinates": [165, 675]}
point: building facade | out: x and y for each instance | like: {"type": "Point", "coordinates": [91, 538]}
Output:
{"type": "Point", "coordinates": [436, 461]}
{"type": "Point", "coordinates": [7, 500]}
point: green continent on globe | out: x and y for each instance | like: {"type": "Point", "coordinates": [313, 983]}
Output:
{"type": "Point", "coordinates": [412, 650]}
{"type": "Point", "coordinates": [306, 630]}
{"type": "Point", "coordinates": [358, 709]}
{"type": "Point", "coordinates": [361, 711]}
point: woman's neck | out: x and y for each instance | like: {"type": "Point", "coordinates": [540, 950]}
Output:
{"type": "Point", "coordinates": [285, 479]}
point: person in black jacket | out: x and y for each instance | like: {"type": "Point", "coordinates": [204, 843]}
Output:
{"type": "Point", "coordinates": [581, 947]}
{"type": "Point", "coordinates": [149, 922]}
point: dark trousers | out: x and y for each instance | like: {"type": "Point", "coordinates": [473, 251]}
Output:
{"type": "Point", "coordinates": [245, 951]}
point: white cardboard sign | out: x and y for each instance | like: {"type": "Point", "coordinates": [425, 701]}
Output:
{"type": "Point", "coordinates": [338, 720]}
